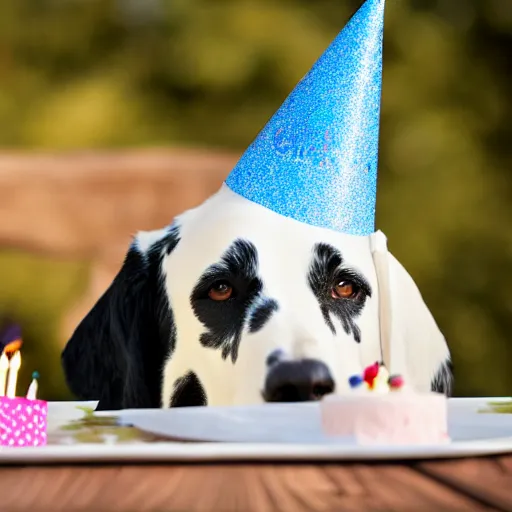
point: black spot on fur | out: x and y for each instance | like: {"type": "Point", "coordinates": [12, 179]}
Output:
{"type": "Point", "coordinates": [443, 380]}
{"type": "Point", "coordinates": [325, 272]}
{"type": "Point", "coordinates": [116, 353]}
{"type": "Point", "coordinates": [224, 320]}
{"type": "Point", "coordinates": [188, 392]}
{"type": "Point", "coordinates": [262, 315]}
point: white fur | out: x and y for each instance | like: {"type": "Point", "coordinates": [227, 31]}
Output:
{"type": "Point", "coordinates": [145, 239]}
{"type": "Point", "coordinates": [419, 346]}
{"type": "Point", "coordinates": [284, 251]}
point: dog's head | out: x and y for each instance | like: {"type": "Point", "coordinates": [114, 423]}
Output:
{"type": "Point", "coordinates": [235, 304]}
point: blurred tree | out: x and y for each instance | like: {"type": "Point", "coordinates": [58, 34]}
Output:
{"type": "Point", "coordinates": [104, 73]}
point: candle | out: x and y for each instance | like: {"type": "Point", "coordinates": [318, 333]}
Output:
{"type": "Point", "coordinates": [4, 367]}
{"type": "Point", "coordinates": [32, 390]}
{"type": "Point", "coordinates": [380, 383]}
{"type": "Point", "coordinates": [14, 366]}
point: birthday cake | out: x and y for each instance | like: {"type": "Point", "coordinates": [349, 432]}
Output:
{"type": "Point", "coordinates": [23, 420]}
{"type": "Point", "coordinates": [382, 410]}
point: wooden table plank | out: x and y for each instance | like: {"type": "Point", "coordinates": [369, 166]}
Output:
{"type": "Point", "coordinates": [231, 487]}
{"type": "Point", "coordinates": [488, 480]}
{"type": "Point", "coordinates": [396, 487]}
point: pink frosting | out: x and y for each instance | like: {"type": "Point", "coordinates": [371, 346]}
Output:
{"type": "Point", "coordinates": [22, 422]}
{"type": "Point", "coordinates": [393, 418]}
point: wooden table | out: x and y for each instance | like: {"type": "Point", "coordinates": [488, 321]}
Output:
{"type": "Point", "coordinates": [457, 485]}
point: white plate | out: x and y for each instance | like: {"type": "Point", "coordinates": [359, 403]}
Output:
{"type": "Point", "coordinates": [60, 413]}
{"type": "Point", "coordinates": [272, 432]}
{"type": "Point", "coordinates": [296, 424]}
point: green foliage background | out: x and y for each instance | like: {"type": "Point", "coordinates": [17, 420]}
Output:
{"type": "Point", "coordinates": [115, 73]}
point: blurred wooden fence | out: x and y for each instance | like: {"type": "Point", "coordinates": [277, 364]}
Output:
{"type": "Point", "coordinates": [87, 205]}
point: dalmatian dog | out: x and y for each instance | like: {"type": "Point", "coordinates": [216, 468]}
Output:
{"type": "Point", "coordinates": [235, 304]}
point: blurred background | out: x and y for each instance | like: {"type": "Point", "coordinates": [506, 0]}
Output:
{"type": "Point", "coordinates": [116, 115]}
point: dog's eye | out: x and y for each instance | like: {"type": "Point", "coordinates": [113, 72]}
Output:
{"type": "Point", "coordinates": [220, 291]}
{"type": "Point", "coordinates": [345, 290]}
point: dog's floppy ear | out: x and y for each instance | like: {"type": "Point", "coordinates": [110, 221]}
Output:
{"type": "Point", "coordinates": [117, 352]}
{"type": "Point", "coordinates": [420, 349]}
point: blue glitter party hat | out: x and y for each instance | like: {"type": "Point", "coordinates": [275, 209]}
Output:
{"type": "Point", "coordinates": [316, 159]}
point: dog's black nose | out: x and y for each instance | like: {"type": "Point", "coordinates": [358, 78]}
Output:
{"type": "Point", "coordinates": [297, 381]}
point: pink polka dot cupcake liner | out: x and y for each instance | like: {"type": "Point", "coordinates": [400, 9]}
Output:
{"type": "Point", "coordinates": [23, 422]}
